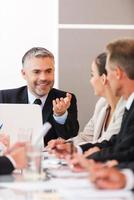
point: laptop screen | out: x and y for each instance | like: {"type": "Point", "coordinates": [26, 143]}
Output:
{"type": "Point", "coordinates": [21, 121]}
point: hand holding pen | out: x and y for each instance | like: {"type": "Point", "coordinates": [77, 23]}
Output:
{"type": "Point", "coordinates": [61, 148]}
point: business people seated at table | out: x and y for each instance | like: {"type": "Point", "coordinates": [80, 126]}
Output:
{"type": "Point", "coordinates": [120, 62]}
{"type": "Point", "coordinates": [58, 107]}
{"type": "Point", "coordinates": [119, 65]}
{"type": "Point", "coordinates": [107, 117]}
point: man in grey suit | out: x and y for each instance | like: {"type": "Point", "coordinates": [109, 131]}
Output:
{"type": "Point", "coordinates": [58, 107]}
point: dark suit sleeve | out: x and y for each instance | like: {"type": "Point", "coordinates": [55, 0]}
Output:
{"type": "Point", "coordinates": [71, 126]}
{"type": "Point", "coordinates": [1, 96]}
{"type": "Point", "coordinates": [6, 167]}
{"type": "Point", "coordinates": [104, 144]}
{"type": "Point", "coordinates": [109, 154]}
{"type": "Point", "coordinates": [67, 130]}
{"type": "Point", "coordinates": [128, 165]}
{"type": "Point", "coordinates": [122, 151]}
{"type": "Point", "coordinates": [121, 145]}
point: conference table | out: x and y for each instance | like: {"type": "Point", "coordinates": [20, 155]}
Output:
{"type": "Point", "coordinates": [57, 182]}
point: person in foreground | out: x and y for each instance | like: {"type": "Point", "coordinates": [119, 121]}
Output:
{"type": "Point", "coordinates": [109, 109]}
{"type": "Point", "coordinates": [113, 178]}
{"type": "Point", "coordinates": [103, 175]}
{"type": "Point", "coordinates": [120, 69]}
{"type": "Point", "coordinates": [13, 158]}
{"type": "Point", "coordinates": [58, 107]}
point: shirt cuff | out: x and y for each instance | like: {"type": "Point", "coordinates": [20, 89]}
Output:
{"type": "Point", "coordinates": [61, 119]}
{"type": "Point", "coordinates": [11, 160]}
{"type": "Point", "coordinates": [79, 149]}
{"type": "Point", "coordinates": [129, 178]}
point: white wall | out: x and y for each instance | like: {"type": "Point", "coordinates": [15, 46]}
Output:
{"type": "Point", "coordinates": [25, 24]}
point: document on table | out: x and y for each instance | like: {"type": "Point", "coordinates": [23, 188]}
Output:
{"type": "Point", "coordinates": [9, 194]}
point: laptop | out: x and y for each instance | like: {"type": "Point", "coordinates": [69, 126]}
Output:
{"type": "Point", "coordinates": [21, 121]}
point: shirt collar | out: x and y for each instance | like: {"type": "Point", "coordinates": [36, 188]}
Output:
{"type": "Point", "coordinates": [130, 101]}
{"type": "Point", "coordinates": [31, 98]}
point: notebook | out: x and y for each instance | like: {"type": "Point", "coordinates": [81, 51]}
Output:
{"type": "Point", "coordinates": [21, 121]}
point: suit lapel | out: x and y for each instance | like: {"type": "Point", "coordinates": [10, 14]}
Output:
{"type": "Point", "coordinates": [23, 98]}
{"type": "Point", "coordinates": [99, 123]}
{"type": "Point", "coordinates": [131, 110]}
{"type": "Point", "coordinates": [47, 109]}
{"type": "Point", "coordinates": [129, 115]}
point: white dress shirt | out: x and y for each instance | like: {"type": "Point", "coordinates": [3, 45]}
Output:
{"type": "Point", "coordinates": [129, 178]}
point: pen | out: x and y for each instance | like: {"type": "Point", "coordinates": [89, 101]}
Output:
{"type": "Point", "coordinates": [1, 125]}
{"type": "Point", "coordinates": [71, 146]}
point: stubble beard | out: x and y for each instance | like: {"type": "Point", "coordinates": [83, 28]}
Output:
{"type": "Point", "coordinates": [42, 92]}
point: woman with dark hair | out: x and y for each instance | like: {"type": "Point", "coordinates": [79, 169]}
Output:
{"type": "Point", "coordinates": [109, 109]}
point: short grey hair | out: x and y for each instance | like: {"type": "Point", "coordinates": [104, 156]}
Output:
{"type": "Point", "coordinates": [121, 52]}
{"type": "Point", "coordinates": [38, 52]}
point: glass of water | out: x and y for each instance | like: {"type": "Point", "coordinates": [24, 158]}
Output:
{"type": "Point", "coordinates": [33, 171]}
